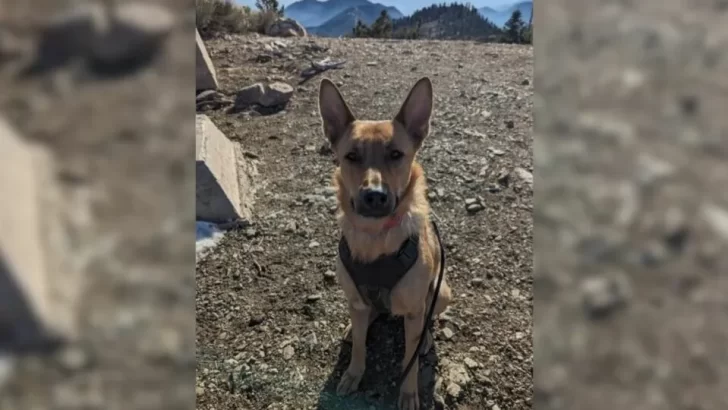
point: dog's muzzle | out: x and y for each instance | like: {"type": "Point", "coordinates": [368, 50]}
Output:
{"type": "Point", "coordinates": [375, 202]}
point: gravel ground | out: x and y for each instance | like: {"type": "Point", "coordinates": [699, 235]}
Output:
{"type": "Point", "coordinates": [269, 316]}
{"type": "Point", "coordinates": [631, 207]}
{"type": "Point", "coordinates": [122, 145]}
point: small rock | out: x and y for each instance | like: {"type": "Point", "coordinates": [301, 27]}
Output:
{"type": "Point", "coordinates": [314, 297]}
{"type": "Point", "coordinates": [525, 82]}
{"type": "Point", "coordinates": [207, 95]}
{"type": "Point", "coordinates": [73, 358]}
{"type": "Point", "coordinates": [447, 333]}
{"type": "Point", "coordinates": [311, 339]}
{"type": "Point", "coordinates": [138, 30]}
{"type": "Point", "coordinates": [291, 227]}
{"type": "Point", "coordinates": [602, 295]}
{"type": "Point", "coordinates": [651, 169]}
{"type": "Point", "coordinates": [524, 175]}
{"type": "Point", "coordinates": [471, 201]}
{"type": "Point", "coordinates": [461, 65]}
{"type": "Point", "coordinates": [330, 275]}
{"type": "Point", "coordinates": [251, 233]}
{"type": "Point", "coordinates": [472, 364]}
{"type": "Point", "coordinates": [503, 177]}
{"type": "Point", "coordinates": [495, 407]}
{"type": "Point", "coordinates": [717, 218]}
{"type": "Point", "coordinates": [200, 391]}
{"type": "Point", "coordinates": [476, 281]}
{"type": "Point", "coordinates": [453, 390]}
{"type": "Point", "coordinates": [496, 151]}
{"type": "Point", "coordinates": [314, 244]}
{"type": "Point", "coordinates": [255, 320]}
{"type": "Point", "coordinates": [456, 373]}
{"type": "Point", "coordinates": [473, 208]}
{"type": "Point", "coordinates": [288, 352]}
{"type": "Point", "coordinates": [372, 64]}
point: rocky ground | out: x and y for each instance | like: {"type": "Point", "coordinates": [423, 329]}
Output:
{"type": "Point", "coordinates": [631, 209]}
{"type": "Point", "coordinates": [121, 137]}
{"type": "Point", "coordinates": [269, 315]}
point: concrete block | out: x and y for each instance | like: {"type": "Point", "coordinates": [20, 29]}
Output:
{"type": "Point", "coordinates": [205, 75]}
{"type": "Point", "coordinates": [30, 271]}
{"type": "Point", "coordinates": [224, 189]}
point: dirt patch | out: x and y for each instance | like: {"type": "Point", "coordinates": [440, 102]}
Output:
{"type": "Point", "coordinates": [269, 317]}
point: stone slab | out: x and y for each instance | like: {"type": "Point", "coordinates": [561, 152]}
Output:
{"type": "Point", "coordinates": [224, 190]}
{"type": "Point", "coordinates": [205, 75]}
{"type": "Point", "coordinates": [28, 300]}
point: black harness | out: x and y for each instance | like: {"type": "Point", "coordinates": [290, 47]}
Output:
{"type": "Point", "coordinates": [375, 280]}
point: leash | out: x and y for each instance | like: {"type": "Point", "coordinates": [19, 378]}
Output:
{"type": "Point", "coordinates": [428, 318]}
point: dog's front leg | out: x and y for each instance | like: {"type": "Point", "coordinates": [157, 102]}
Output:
{"type": "Point", "coordinates": [408, 395]}
{"type": "Point", "coordinates": [359, 326]}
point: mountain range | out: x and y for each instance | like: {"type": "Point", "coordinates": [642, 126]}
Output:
{"type": "Point", "coordinates": [500, 16]}
{"type": "Point", "coordinates": [314, 13]}
{"type": "Point", "coordinates": [338, 17]}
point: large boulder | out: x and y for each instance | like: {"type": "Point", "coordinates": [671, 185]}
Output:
{"type": "Point", "coordinates": [205, 75]}
{"type": "Point", "coordinates": [224, 190]}
{"type": "Point", "coordinates": [285, 27]}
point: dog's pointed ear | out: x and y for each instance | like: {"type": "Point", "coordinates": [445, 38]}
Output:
{"type": "Point", "coordinates": [335, 113]}
{"type": "Point", "coordinates": [416, 110]}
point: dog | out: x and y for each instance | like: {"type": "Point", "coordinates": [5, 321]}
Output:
{"type": "Point", "coordinates": [384, 214]}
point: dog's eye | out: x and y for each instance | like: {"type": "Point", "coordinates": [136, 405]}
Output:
{"type": "Point", "coordinates": [395, 155]}
{"type": "Point", "coordinates": [352, 157]}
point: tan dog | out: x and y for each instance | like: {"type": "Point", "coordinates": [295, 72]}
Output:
{"type": "Point", "coordinates": [381, 192]}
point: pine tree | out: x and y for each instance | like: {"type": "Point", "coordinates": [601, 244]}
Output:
{"type": "Point", "coordinates": [269, 6]}
{"type": "Point", "coordinates": [382, 26]}
{"type": "Point", "coordinates": [514, 27]}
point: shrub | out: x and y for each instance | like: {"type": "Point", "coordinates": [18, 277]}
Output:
{"type": "Point", "coordinates": [215, 17]}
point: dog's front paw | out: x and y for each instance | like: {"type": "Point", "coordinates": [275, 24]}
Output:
{"type": "Point", "coordinates": [349, 382]}
{"type": "Point", "coordinates": [408, 400]}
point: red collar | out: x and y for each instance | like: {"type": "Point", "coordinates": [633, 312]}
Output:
{"type": "Point", "coordinates": [393, 222]}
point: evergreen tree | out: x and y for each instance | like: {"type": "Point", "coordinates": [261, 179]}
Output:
{"type": "Point", "coordinates": [382, 26]}
{"type": "Point", "coordinates": [514, 27]}
{"type": "Point", "coordinates": [269, 6]}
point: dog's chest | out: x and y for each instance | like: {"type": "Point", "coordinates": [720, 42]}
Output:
{"type": "Point", "coordinates": [375, 280]}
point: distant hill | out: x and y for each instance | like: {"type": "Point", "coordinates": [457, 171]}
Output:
{"type": "Point", "coordinates": [453, 21]}
{"type": "Point", "coordinates": [315, 13]}
{"type": "Point", "coordinates": [499, 17]}
{"type": "Point", "coordinates": [344, 22]}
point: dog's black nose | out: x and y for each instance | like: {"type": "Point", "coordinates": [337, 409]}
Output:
{"type": "Point", "coordinates": [373, 198]}
{"type": "Point", "coordinates": [374, 202]}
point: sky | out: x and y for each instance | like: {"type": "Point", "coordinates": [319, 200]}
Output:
{"type": "Point", "coordinates": [409, 6]}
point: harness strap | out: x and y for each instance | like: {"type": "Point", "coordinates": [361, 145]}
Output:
{"type": "Point", "coordinates": [375, 280]}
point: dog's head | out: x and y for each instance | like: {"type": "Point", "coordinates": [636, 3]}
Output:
{"type": "Point", "coordinates": [375, 157]}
